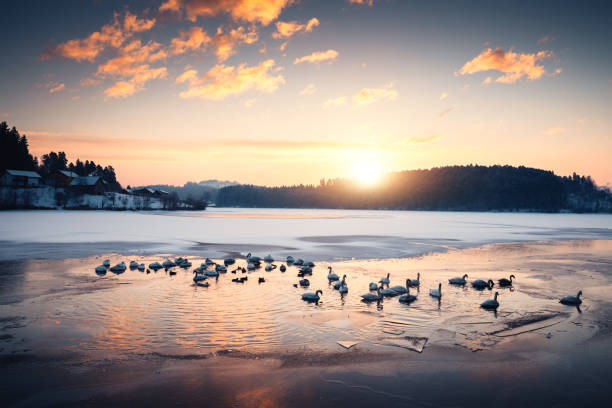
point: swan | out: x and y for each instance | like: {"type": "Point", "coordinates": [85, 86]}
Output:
{"type": "Point", "coordinates": [370, 297]}
{"type": "Point", "coordinates": [373, 286]}
{"type": "Point", "coordinates": [572, 300]}
{"type": "Point", "coordinates": [198, 277]}
{"type": "Point", "coordinates": [133, 265]}
{"type": "Point", "coordinates": [458, 281]}
{"type": "Point", "coordinates": [229, 261]}
{"type": "Point", "coordinates": [338, 284]}
{"type": "Point", "coordinates": [261, 280]}
{"type": "Point", "coordinates": [480, 284]}
{"type": "Point", "coordinates": [155, 266]}
{"type": "Point", "coordinates": [388, 292]}
{"type": "Point", "coordinates": [312, 297]}
{"type": "Point", "coordinates": [211, 273]}
{"type": "Point", "coordinates": [331, 276]}
{"type": "Point", "coordinates": [506, 282]}
{"type": "Point", "coordinates": [298, 262]}
{"type": "Point", "coordinates": [268, 258]}
{"type": "Point", "coordinates": [304, 282]}
{"type": "Point", "coordinates": [306, 270]}
{"type": "Point", "coordinates": [490, 303]}
{"type": "Point", "coordinates": [120, 267]}
{"type": "Point", "coordinates": [185, 264]}
{"type": "Point", "coordinates": [101, 269]}
{"type": "Point", "coordinates": [251, 267]}
{"type": "Point", "coordinates": [220, 268]}
{"type": "Point", "coordinates": [253, 259]}
{"type": "Point", "coordinates": [270, 267]}
{"type": "Point", "coordinates": [407, 298]}
{"type": "Point", "coordinates": [436, 292]}
{"type": "Point", "coordinates": [106, 263]}
{"type": "Point", "coordinates": [172, 273]}
{"type": "Point", "coordinates": [385, 280]}
{"type": "Point", "coordinates": [168, 264]}
{"type": "Point", "coordinates": [400, 289]}
{"type": "Point", "coordinates": [208, 262]}
{"type": "Point", "coordinates": [290, 259]}
{"type": "Point", "coordinates": [416, 282]}
{"type": "Point", "coordinates": [343, 289]}
{"type": "Point", "coordinates": [203, 284]}
{"type": "Point", "coordinates": [283, 268]}
{"type": "Point", "coordinates": [309, 264]}
{"type": "Point", "coordinates": [141, 267]}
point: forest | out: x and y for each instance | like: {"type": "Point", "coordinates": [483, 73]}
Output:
{"type": "Point", "coordinates": [451, 188]}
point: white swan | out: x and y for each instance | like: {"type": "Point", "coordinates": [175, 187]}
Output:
{"type": "Point", "coordinates": [400, 289]}
{"type": "Point", "coordinates": [490, 303]}
{"type": "Point", "coordinates": [385, 280]}
{"type": "Point", "coordinates": [370, 297]}
{"type": "Point", "coordinates": [331, 276]}
{"type": "Point", "coordinates": [373, 286]}
{"type": "Point", "coordinates": [436, 292]}
{"type": "Point", "coordinates": [506, 282]}
{"type": "Point", "coordinates": [407, 298]}
{"type": "Point", "coordinates": [458, 281]}
{"type": "Point", "coordinates": [480, 284]}
{"type": "Point", "coordinates": [416, 282]}
{"type": "Point", "coordinates": [572, 300]}
{"type": "Point", "coordinates": [312, 297]}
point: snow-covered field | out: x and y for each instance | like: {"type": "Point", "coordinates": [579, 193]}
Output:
{"type": "Point", "coordinates": [312, 234]}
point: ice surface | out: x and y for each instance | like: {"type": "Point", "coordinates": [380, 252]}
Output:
{"type": "Point", "coordinates": [308, 234]}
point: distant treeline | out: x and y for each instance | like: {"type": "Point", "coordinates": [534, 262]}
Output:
{"type": "Point", "coordinates": [205, 191]}
{"type": "Point", "coordinates": [453, 188]}
{"type": "Point", "coordinates": [15, 155]}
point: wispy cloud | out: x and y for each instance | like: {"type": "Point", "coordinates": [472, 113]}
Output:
{"type": "Point", "coordinates": [446, 111]}
{"type": "Point", "coordinates": [251, 11]}
{"type": "Point", "coordinates": [317, 57]}
{"type": "Point", "coordinates": [553, 131]}
{"type": "Point", "coordinates": [287, 29]}
{"type": "Point", "coordinates": [364, 2]}
{"type": "Point", "coordinates": [335, 102]}
{"type": "Point", "coordinates": [222, 81]}
{"type": "Point", "coordinates": [443, 96]}
{"type": "Point", "coordinates": [546, 39]}
{"type": "Point", "coordinates": [226, 44]}
{"type": "Point", "coordinates": [191, 40]}
{"type": "Point", "coordinates": [309, 90]}
{"type": "Point", "coordinates": [368, 96]}
{"type": "Point", "coordinates": [513, 65]}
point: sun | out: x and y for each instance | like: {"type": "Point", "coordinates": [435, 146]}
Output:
{"type": "Point", "coordinates": [367, 172]}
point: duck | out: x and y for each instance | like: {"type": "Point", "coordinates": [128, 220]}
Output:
{"type": "Point", "coordinates": [385, 280]}
{"type": "Point", "coordinates": [370, 297]}
{"type": "Point", "coordinates": [268, 258]}
{"type": "Point", "coordinates": [480, 284]}
{"type": "Point", "coordinates": [506, 282]}
{"type": "Point", "coordinates": [458, 281]}
{"type": "Point", "coordinates": [304, 282]}
{"type": "Point", "coordinates": [373, 286]}
{"type": "Point", "coordinates": [106, 263]}
{"type": "Point", "coordinates": [290, 259]}
{"type": "Point", "coordinates": [101, 269]}
{"type": "Point", "coordinates": [283, 268]}
{"type": "Point", "coordinates": [270, 267]}
{"type": "Point", "coordinates": [436, 292]}
{"type": "Point", "coordinates": [338, 284]}
{"type": "Point", "coordinates": [172, 273]}
{"type": "Point", "coordinates": [203, 284]}
{"type": "Point", "coordinates": [407, 298]}
{"type": "Point", "coordinates": [238, 280]}
{"type": "Point", "coordinates": [400, 289]}
{"type": "Point", "coordinates": [572, 300]}
{"type": "Point", "coordinates": [229, 261]}
{"type": "Point", "coordinates": [331, 276]}
{"type": "Point", "coordinates": [312, 297]}
{"type": "Point", "coordinates": [261, 280]}
{"type": "Point", "coordinates": [491, 303]}
{"type": "Point", "coordinates": [416, 282]}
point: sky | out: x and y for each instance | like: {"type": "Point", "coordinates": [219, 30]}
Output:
{"type": "Point", "coordinates": [276, 92]}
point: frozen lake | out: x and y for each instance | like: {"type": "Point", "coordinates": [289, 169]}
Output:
{"type": "Point", "coordinates": [323, 235]}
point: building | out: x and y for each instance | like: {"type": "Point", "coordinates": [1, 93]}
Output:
{"type": "Point", "coordinates": [89, 185]}
{"type": "Point", "coordinates": [20, 178]}
{"type": "Point", "coordinates": [143, 192]}
{"type": "Point", "coordinates": [61, 178]}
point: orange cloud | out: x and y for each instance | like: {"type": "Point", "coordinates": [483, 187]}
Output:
{"type": "Point", "coordinates": [309, 90]}
{"type": "Point", "coordinates": [194, 39]}
{"type": "Point", "coordinates": [53, 86]}
{"type": "Point", "coordinates": [133, 65]}
{"type": "Point", "coordinates": [111, 35]}
{"type": "Point", "coordinates": [546, 39]}
{"type": "Point", "coordinates": [286, 29]}
{"type": "Point", "coordinates": [446, 111]}
{"type": "Point", "coordinates": [318, 56]}
{"type": "Point", "coordinates": [335, 102]}
{"type": "Point", "coordinates": [365, 2]}
{"type": "Point", "coordinates": [252, 11]}
{"type": "Point", "coordinates": [89, 82]}
{"type": "Point", "coordinates": [553, 131]}
{"type": "Point", "coordinates": [368, 96]}
{"type": "Point", "coordinates": [223, 81]}
{"type": "Point", "coordinates": [226, 44]}
{"type": "Point", "coordinates": [514, 65]}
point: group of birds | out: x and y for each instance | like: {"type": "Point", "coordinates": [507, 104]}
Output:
{"type": "Point", "coordinates": [210, 268]}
